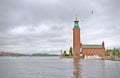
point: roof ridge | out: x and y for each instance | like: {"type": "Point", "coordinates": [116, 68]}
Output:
{"type": "Point", "coordinates": [91, 44]}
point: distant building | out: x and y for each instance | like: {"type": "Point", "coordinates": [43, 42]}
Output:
{"type": "Point", "coordinates": [86, 50]}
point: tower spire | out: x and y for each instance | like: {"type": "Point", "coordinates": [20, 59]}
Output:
{"type": "Point", "coordinates": [76, 19]}
{"type": "Point", "coordinates": [76, 23]}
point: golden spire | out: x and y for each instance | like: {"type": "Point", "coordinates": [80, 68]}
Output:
{"type": "Point", "coordinates": [76, 19]}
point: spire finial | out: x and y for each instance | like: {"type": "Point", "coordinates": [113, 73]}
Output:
{"type": "Point", "coordinates": [76, 18]}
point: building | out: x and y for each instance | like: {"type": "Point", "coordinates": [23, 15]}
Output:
{"type": "Point", "coordinates": [86, 50]}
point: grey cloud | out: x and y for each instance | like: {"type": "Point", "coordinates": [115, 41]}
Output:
{"type": "Point", "coordinates": [57, 16]}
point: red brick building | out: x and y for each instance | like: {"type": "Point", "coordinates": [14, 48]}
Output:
{"type": "Point", "coordinates": [87, 50]}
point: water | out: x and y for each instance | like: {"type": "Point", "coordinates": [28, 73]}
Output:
{"type": "Point", "coordinates": [54, 67]}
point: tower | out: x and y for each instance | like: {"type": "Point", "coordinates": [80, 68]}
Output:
{"type": "Point", "coordinates": [103, 44]}
{"type": "Point", "coordinates": [76, 39]}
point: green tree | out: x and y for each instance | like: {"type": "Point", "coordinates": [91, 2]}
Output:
{"type": "Point", "coordinates": [119, 54]}
{"type": "Point", "coordinates": [116, 52]}
{"type": "Point", "coordinates": [64, 54]}
{"type": "Point", "coordinates": [70, 51]}
{"type": "Point", "coordinates": [113, 51]}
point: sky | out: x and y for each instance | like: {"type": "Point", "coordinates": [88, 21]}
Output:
{"type": "Point", "coordinates": [45, 26]}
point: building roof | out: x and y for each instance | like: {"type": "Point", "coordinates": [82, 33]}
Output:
{"type": "Point", "coordinates": [91, 46]}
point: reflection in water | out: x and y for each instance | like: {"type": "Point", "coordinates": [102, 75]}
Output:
{"type": "Point", "coordinates": [54, 67]}
{"type": "Point", "coordinates": [103, 69]}
{"type": "Point", "coordinates": [76, 71]}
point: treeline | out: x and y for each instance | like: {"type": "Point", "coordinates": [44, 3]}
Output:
{"type": "Point", "coordinates": [15, 54]}
{"type": "Point", "coordinates": [114, 52]}
{"type": "Point", "coordinates": [18, 54]}
{"type": "Point", "coordinates": [44, 54]}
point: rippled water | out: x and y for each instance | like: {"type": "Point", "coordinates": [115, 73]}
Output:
{"type": "Point", "coordinates": [54, 67]}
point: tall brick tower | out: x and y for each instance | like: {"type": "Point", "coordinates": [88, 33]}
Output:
{"type": "Point", "coordinates": [76, 39]}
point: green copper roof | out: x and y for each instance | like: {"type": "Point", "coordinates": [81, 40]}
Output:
{"type": "Point", "coordinates": [91, 46]}
{"type": "Point", "coordinates": [76, 23]}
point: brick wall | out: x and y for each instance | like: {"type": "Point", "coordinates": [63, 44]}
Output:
{"type": "Point", "coordinates": [76, 42]}
{"type": "Point", "coordinates": [92, 51]}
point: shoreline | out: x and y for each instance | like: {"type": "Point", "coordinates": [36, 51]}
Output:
{"type": "Point", "coordinates": [116, 59]}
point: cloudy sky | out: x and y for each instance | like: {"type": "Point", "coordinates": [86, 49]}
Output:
{"type": "Point", "coordinates": [46, 25]}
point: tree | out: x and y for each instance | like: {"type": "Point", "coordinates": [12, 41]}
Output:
{"type": "Point", "coordinates": [119, 54]}
{"type": "Point", "coordinates": [64, 54]}
{"type": "Point", "coordinates": [113, 51]}
{"type": "Point", "coordinates": [70, 51]}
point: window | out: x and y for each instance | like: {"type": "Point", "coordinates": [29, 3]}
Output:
{"type": "Point", "coordinates": [76, 51]}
